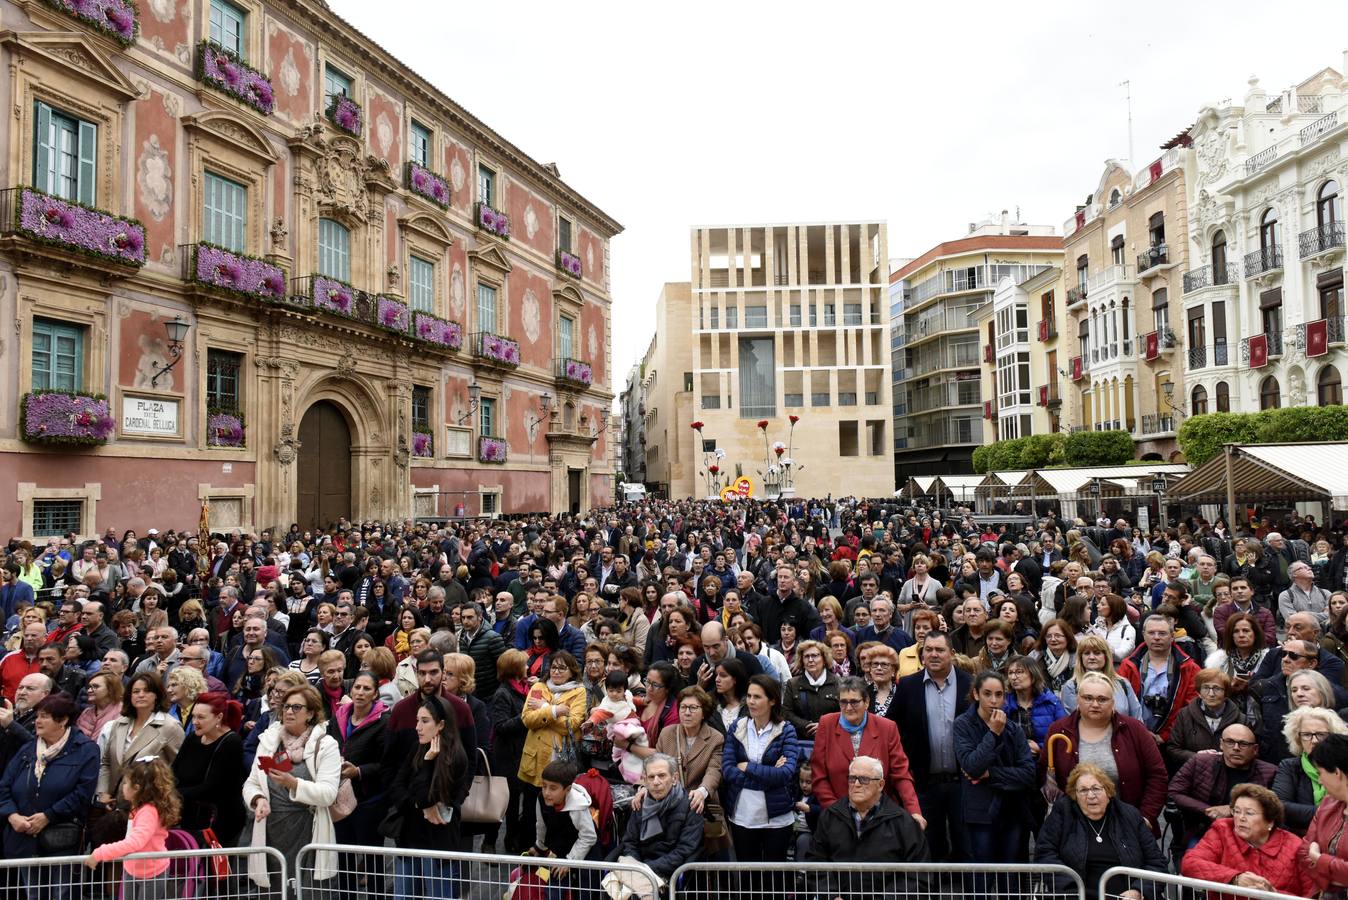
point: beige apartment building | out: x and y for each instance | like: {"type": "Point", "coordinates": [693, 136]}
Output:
{"type": "Point", "coordinates": [778, 321]}
{"type": "Point", "coordinates": [1125, 253]}
{"type": "Point", "coordinates": [941, 356]}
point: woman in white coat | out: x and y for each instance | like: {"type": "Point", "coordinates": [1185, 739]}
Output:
{"type": "Point", "coordinates": [291, 789]}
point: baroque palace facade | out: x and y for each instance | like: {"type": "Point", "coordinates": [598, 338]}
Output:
{"type": "Point", "coordinates": [251, 258]}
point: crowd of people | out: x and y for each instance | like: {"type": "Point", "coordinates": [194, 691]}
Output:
{"type": "Point", "coordinates": [845, 680]}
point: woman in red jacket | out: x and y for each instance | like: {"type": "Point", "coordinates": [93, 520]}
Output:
{"type": "Point", "coordinates": [1120, 745]}
{"type": "Point", "coordinates": [1250, 849]}
{"type": "Point", "coordinates": [1324, 853]}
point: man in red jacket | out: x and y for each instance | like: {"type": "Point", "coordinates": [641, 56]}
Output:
{"type": "Point", "coordinates": [841, 737]}
{"type": "Point", "coordinates": [21, 662]}
{"type": "Point", "coordinates": [1162, 675]}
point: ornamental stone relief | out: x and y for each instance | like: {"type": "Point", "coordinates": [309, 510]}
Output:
{"type": "Point", "coordinates": [456, 291]}
{"type": "Point", "coordinates": [456, 175]}
{"type": "Point", "coordinates": [530, 221]}
{"type": "Point", "coordinates": [383, 130]}
{"type": "Point", "coordinates": [529, 314]}
{"type": "Point", "coordinates": [290, 74]}
{"type": "Point", "coordinates": [154, 178]}
{"type": "Point", "coordinates": [163, 10]}
{"type": "Point", "coordinates": [593, 342]}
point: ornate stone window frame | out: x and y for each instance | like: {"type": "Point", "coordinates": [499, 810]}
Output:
{"type": "Point", "coordinates": [426, 236]}
{"type": "Point", "coordinates": [68, 71]}
{"type": "Point", "coordinates": [230, 343]}
{"type": "Point", "coordinates": [209, 493]}
{"type": "Point", "coordinates": [226, 144]}
{"type": "Point", "coordinates": [67, 302]}
{"type": "Point", "coordinates": [348, 67]}
{"type": "Point", "coordinates": [90, 494]}
{"type": "Point", "coordinates": [254, 45]}
{"type": "Point", "coordinates": [492, 268]}
{"type": "Point", "coordinates": [414, 113]}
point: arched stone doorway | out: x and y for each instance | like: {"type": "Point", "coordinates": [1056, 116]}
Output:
{"type": "Point", "coordinates": [323, 468]}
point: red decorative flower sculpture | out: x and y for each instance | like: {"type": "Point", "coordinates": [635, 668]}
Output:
{"type": "Point", "coordinates": [713, 469]}
{"type": "Point", "coordinates": [763, 424]}
{"type": "Point", "coordinates": [696, 426]}
{"type": "Point", "coordinates": [779, 450]}
{"type": "Point", "coordinates": [794, 419]}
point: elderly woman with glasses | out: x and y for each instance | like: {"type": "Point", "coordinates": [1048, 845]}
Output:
{"type": "Point", "coordinates": [1194, 730]}
{"type": "Point", "coordinates": [1120, 745]}
{"type": "Point", "coordinates": [853, 731]}
{"type": "Point", "coordinates": [1275, 697]}
{"type": "Point", "coordinates": [1297, 783]}
{"type": "Point", "coordinates": [1090, 831]}
{"type": "Point", "coordinates": [1251, 849]}
{"type": "Point", "coordinates": [813, 693]}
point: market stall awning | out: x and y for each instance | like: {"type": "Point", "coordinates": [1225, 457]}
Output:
{"type": "Point", "coordinates": [1271, 472]}
{"type": "Point", "coordinates": [960, 487]}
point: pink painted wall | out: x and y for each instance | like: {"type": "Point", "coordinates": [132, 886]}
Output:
{"type": "Point", "coordinates": [291, 66]}
{"type": "Point", "coordinates": [522, 200]}
{"type": "Point", "coordinates": [137, 493]}
{"type": "Point", "coordinates": [461, 290]}
{"type": "Point", "coordinates": [461, 190]}
{"type": "Point", "coordinates": [592, 336]}
{"type": "Point", "coordinates": [142, 346]}
{"type": "Point", "coordinates": [590, 248]}
{"type": "Point", "coordinates": [522, 491]}
{"type": "Point", "coordinates": [384, 129]}
{"type": "Point", "coordinates": [156, 148]}
{"type": "Point", "coordinates": [164, 27]}
{"type": "Point", "coordinates": [531, 317]}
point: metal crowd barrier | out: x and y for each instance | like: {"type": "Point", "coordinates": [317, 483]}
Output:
{"type": "Point", "coordinates": [873, 881]}
{"type": "Point", "coordinates": [190, 874]}
{"type": "Point", "coordinates": [1116, 882]}
{"type": "Point", "coordinates": [393, 872]}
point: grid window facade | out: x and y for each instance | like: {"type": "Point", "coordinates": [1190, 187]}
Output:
{"type": "Point", "coordinates": [226, 212]}
{"type": "Point", "coordinates": [334, 250]}
{"type": "Point", "coordinates": [421, 283]}
{"type": "Point", "coordinates": [222, 381]}
{"type": "Point", "coordinates": [65, 155]}
{"type": "Point", "coordinates": [53, 518]}
{"type": "Point", "coordinates": [227, 27]}
{"type": "Point", "coordinates": [58, 356]}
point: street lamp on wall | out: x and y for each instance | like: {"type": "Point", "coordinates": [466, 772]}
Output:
{"type": "Point", "coordinates": [544, 404]}
{"type": "Point", "coordinates": [177, 330]}
{"type": "Point", "coordinates": [604, 421]}
{"type": "Point", "coordinates": [474, 399]}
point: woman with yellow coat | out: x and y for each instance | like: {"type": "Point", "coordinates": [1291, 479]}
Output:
{"type": "Point", "coordinates": [553, 712]}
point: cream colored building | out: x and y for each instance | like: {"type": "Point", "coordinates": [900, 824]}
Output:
{"type": "Point", "coordinates": [1022, 380]}
{"type": "Point", "coordinates": [777, 321]}
{"type": "Point", "coordinates": [939, 400]}
{"type": "Point", "coordinates": [1125, 254]}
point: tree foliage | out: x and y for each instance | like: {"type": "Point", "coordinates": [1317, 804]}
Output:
{"type": "Point", "coordinates": [1098, 448]}
{"type": "Point", "coordinates": [1201, 437]}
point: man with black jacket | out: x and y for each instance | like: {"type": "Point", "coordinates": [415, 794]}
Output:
{"type": "Point", "coordinates": [785, 602]}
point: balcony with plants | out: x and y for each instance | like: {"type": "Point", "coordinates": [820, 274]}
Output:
{"type": "Point", "coordinates": [575, 372]}
{"type": "Point", "coordinates": [493, 221]}
{"type": "Point", "coordinates": [569, 264]}
{"type": "Point", "coordinates": [425, 183]}
{"type": "Point", "coordinates": [65, 419]}
{"type": "Point", "coordinates": [492, 450]}
{"type": "Point", "coordinates": [495, 349]}
{"type": "Point", "coordinates": [243, 276]}
{"type": "Point", "coordinates": [71, 232]}
{"type": "Point", "coordinates": [223, 71]}
{"type": "Point", "coordinates": [345, 113]}
{"type": "Point", "coordinates": [117, 19]}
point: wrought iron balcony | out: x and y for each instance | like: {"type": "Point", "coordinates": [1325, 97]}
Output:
{"type": "Point", "coordinates": [1207, 276]}
{"type": "Point", "coordinates": [1075, 295]}
{"type": "Point", "coordinates": [1153, 256]}
{"type": "Point", "coordinates": [1312, 132]}
{"type": "Point", "coordinates": [1198, 357]}
{"type": "Point", "coordinates": [1260, 160]}
{"type": "Point", "coordinates": [1335, 327]}
{"type": "Point", "coordinates": [1220, 354]}
{"type": "Point", "coordinates": [1157, 424]}
{"type": "Point", "coordinates": [1265, 259]}
{"type": "Point", "coordinates": [1321, 239]}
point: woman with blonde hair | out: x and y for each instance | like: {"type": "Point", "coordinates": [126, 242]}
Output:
{"type": "Point", "coordinates": [182, 687]}
{"type": "Point", "coordinates": [1094, 655]}
{"type": "Point", "coordinates": [1297, 783]}
{"type": "Point", "coordinates": [405, 675]}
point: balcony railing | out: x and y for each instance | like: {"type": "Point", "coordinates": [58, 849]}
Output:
{"type": "Point", "coordinates": [575, 371]}
{"type": "Point", "coordinates": [1198, 357]}
{"type": "Point", "coordinates": [1312, 132]}
{"type": "Point", "coordinates": [1155, 255]}
{"type": "Point", "coordinates": [1048, 329]}
{"type": "Point", "coordinates": [1157, 424]}
{"type": "Point", "coordinates": [1260, 160]}
{"type": "Point", "coordinates": [1319, 240]}
{"type": "Point", "coordinates": [72, 232]}
{"type": "Point", "coordinates": [1273, 341]}
{"type": "Point", "coordinates": [1265, 259]}
{"type": "Point", "coordinates": [1075, 295]}
{"type": "Point", "coordinates": [495, 349]}
{"type": "Point", "coordinates": [1207, 276]}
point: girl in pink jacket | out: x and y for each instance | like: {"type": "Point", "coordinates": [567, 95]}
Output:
{"type": "Point", "coordinates": [147, 785]}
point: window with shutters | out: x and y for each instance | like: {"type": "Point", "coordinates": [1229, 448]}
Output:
{"type": "Point", "coordinates": [486, 186]}
{"type": "Point", "coordinates": [486, 417]}
{"type": "Point", "coordinates": [222, 382]}
{"type": "Point", "coordinates": [421, 281]}
{"type": "Point", "coordinates": [336, 83]}
{"type": "Point", "coordinates": [421, 409]}
{"type": "Point", "coordinates": [334, 250]}
{"type": "Point", "coordinates": [486, 308]}
{"type": "Point", "coordinates": [66, 155]}
{"type": "Point", "coordinates": [58, 356]}
{"type": "Point", "coordinates": [226, 211]}
{"type": "Point", "coordinates": [566, 328]}
{"type": "Point", "coordinates": [227, 27]}
{"type": "Point", "coordinates": [420, 144]}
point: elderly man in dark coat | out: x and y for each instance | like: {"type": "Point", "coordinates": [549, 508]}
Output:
{"type": "Point", "coordinates": [664, 833]}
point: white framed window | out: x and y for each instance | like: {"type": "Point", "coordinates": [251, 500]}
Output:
{"type": "Point", "coordinates": [486, 308]}
{"type": "Point", "coordinates": [58, 356]}
{"type": "Point", "coordinates": [226, 208]}
{"type": "Point", "coordinates": [336, 83]}
{"type": "Point", "coordinates": [228, 27]}
{"type": "Point", "coordinates": [66, 155]}
{"type": "Point", "coordinates": [566, 327]}
{"type": "Point", "coordinates": [486, 417]}
{"type": "Point", "coordinates": [421, 282]}
{"type": "Point", "coordinates": [564, 234]}
{"type": "Point", "coordinates": [486, 186]}
{"type": "Point", "coordinates": [334, 250]}
{"type": "Point", "coordinates": [420, 144]}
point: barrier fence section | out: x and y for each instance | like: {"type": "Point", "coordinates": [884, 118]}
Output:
{"type": "Point", "coordinates": [873, 881]}
{"type": "Point", "coordinates": [343, 872]}
{"type": "Point", "coordinates": [1130, 884]}
{"type": "Point", "coordinates": [183, 875]}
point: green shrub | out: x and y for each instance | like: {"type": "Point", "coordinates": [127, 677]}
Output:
{"type": "Point", "coordinates": [1032, 452]}
{"type": "Point", "coordinates": [1098, 448]}
{"type": "Point", "coordinates": [1201, 437]}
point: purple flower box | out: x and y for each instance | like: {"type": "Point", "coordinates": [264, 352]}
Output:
{"type": "Point", "coordinates": [425, 183]}
{"type": "Point", "coordinates": [345, 114]}
{"type": "Point", "coordinates": [225, 72]}
{"type": "Point", "coordinates": [247, 276]}
{"type": "Point", "coordinates": [492, 450]}
{"type": "Point", "coordinates": [55, 417]}
{"type": "Point", "coordinates": [422, 445]}
{"type": "Point", "coordinates": [579, 372]}
{"type": "Point", "coordinates": [569, 263]}
{"type": "Point", "coordinates": [90, 231]}
{"type": "Point", "coordinates": [437, 331]}
{"type": "Point", "coordinates": [224, 430]}
{"type": "Point", "coordinates": [334, 296]}
{"type": "Point", "coordinates": [499, 349]}
{"type": "Point", "coordinates": [493, 221]}
{"type": "Point", "coordinates": [116, 18]}
{"type": "Point", "coordinates": [393, 315]}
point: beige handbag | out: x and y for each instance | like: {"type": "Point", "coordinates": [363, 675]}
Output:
{"type": "Point", "coordinates": [488, 798]}
{"type": "Point", "coordinates": [345, 804]}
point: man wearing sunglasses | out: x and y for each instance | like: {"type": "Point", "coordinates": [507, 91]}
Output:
{"type": "Point", "coordinates": [1202, 787]}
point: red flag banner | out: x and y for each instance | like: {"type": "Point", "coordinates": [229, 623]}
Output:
{"type": "Point", "coordinates": [987, 409]}
{"type": "Point", "coordinates": [1153, 345]}
{"type": "Point", "coordinates": [1043, 395]}
{"type": "Point", "coordinates": [1317, 337]}
{"type": "Point", "coordinates": [1258, 351]}
{"type": "Point", "coordinates": [1076, 368]}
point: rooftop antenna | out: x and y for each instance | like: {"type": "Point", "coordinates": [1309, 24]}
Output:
{"type": "Point", "coordinates": [1128, 93]}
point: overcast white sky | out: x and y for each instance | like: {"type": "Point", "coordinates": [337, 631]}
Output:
{"type": "Point", "coordinates": [926, 115]}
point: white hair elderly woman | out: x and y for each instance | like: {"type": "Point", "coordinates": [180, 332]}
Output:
{"type": "Point", "coordinates": [1297, 783]}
